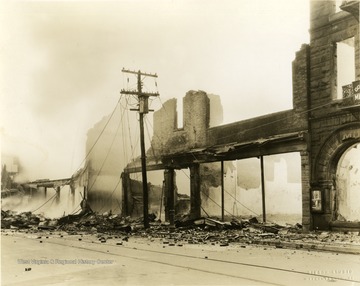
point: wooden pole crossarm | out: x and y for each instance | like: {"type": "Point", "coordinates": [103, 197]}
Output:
{"type": "Point", "coordinates": [139, 72]}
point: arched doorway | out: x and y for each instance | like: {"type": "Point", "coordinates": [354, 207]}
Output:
{"type": "Point", "coordinates": [347, 196]}
{"type": "Point", "coordinates": [336, 181]}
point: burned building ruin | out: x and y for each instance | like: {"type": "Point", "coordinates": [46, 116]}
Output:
{"type": "Point", "coordinates": [323, 127]}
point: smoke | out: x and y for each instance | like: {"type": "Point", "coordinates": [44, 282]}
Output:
{"type": "Point", "coordinates": [48, 206]}
{"type": "Point", "coordinates": [111, 144]}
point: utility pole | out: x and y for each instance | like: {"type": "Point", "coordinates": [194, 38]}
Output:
{"type": "Point", "coordinates": [143, 99]}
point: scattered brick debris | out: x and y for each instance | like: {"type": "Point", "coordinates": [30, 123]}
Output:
{"type": "Point", "coordinates": [198, 231]}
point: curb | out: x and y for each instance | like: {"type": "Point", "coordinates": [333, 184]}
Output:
{"type": "Point", "coordinates": [345, 249]}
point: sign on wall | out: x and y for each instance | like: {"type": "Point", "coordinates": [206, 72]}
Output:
{"type": "Point", "coordinates": [351, 93]}
{"type": "Point", "coordinates": [316, 201]}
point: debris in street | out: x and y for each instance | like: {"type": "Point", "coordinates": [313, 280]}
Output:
{"type": "Point", "coordinates": [203, 230]}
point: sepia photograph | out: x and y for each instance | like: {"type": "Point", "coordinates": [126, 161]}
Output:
{"type": "Point", "coordinates": [180, 142]}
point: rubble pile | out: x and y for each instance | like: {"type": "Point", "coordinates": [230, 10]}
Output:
{"type": "Point", "coordinates": [212, 231]}
{"type": "Point", "coordinates": [85, 222]}
{"type": "Point", "coordinates": [202, 230]}
{"type": "Point", "coordinates": [10, 219]}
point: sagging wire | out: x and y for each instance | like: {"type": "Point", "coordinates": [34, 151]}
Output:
{"type": "Point", "coordinates": [228, 194]}
{"type": "Point", "coordinates": [241, 203]}
{"type": "Point", "coordinates": [101, 133]}
{"type": "Point", "coordinates": [121, 121]}
{"type": "Point", "coordinates": [204, 211]}
{"type": "Point", "coordinates": [292, 115]}
{"type": "Point", "coordinates": [208, 196]}
{"type": "Point", "coordinates": [148, 134]}
{"type": "Point", "coordinates": [118, 206]}
{"type": "Point", "coordinates": [132, 148]}
{"type": "Point", "coordinates": [111, 193]}
{"type": "Point", "coordinates": [107, 154]}
{"type": "Point", "coordinates": [77, 208]}
{"type": "Point", "coordinates": [123, 140]}
{"type": "Point", "coordinates": [130, 137]}
{"type": "Point", "coordinates": [44, 203]}
{"type": "Point", "coordinates": [129, 134]}
{"type": "Point", "coordinates": [249, 129]}
{"type": "Point", "coordinates": [103, 163]}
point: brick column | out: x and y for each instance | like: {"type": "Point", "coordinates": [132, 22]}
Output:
{"type": "Point", "coordinates": [305, 185]}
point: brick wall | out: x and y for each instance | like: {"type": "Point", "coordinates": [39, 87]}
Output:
{"type": "Point", "coordinates": [327, 28]}
{"type": "Point", "coordinates": [165, 123]}
{"type": "Point", "coordinates": [168, 139]}
{"type": "Point", "coordinates": [327, 116]}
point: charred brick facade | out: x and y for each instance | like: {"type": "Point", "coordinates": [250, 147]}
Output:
{"type": "Point", "coordinates": [321, 125]}
{"type": "Point", "coordinates": [333, 123]}
{"type": "Point", "coordinates": [170, 139]}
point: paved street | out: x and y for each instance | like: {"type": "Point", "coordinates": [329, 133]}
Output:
{"type": "Point", "coordinates": [62, 259]}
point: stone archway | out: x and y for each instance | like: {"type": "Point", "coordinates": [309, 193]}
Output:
{"type": "Point", "coordinates": [329, 161]}
{"type": "Point", "coordinates": [332, 150]}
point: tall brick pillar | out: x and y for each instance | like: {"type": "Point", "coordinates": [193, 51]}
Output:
{"type": "Point", "coordinates": [305, 185]}
{"type": "Point", "coordinates": [195, 197]}
{"type": "Point", "coordinates": [196, 117]}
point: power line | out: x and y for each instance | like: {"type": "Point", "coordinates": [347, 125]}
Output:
{"type": "Point", "coordinates": [130, 137]}
{"type": "Point", "coordinates": [216, 203]}
{"type": "Point", "coordinates": [123, 141]}
{"type": "Point", "coordinates": [228, 194]}
{"type": "Point", "coordinates": [148, 133]}
{"type": "Point", "coordinates": [108, 152]}
{"type": "Point", "coordinates": [117, 184]}
{"type": "Point", "coordinates": [44, 203]}
{"type": "Point", "coordinates": [100, 134]}
{"type": "Point", "coordinates": [143, 99]}
{"type": "Point", "coordinates": [287, 117]}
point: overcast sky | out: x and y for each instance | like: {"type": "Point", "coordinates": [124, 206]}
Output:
{"type": "Point", "coordinates": [61, 64]}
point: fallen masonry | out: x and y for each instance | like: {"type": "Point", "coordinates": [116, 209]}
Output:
{"type": "Point", "coordinates": [204, 230]}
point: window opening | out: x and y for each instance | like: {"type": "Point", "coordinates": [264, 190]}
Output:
{"type": "Point", "coordinates": [345, 63]}
{"type": "Point", "coordinates": [338, 3]}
